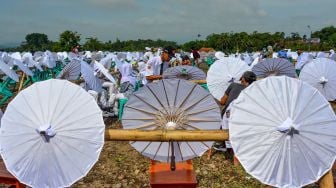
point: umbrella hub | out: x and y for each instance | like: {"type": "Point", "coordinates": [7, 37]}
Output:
{"type": "Point", "coordinates": [273, 73]}
{"type": "Point", "coordinates": [231, 78]}
{"type": "Point", "coordinates": [323, 80]}
{"type": "Point", "coordinates": [288, 127]}
{"type": "Point", "coordinates": [46, 131]}
{"type": "Point", "coordinates": [171, 118]}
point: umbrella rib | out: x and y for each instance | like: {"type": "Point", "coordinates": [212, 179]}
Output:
{"type": "Point", "coordinates": [146, 125]}
{"type": "Point", "coordinates": [305, 157]}
{"type": "Point", "coordinates": [78, 106]}
{"type": "Point", "coordinates": [74, 121]}
{"type": "Point", "coordinates": [39, 102]}
{"type": "Point", "coordinates": [191, 148]}
{"type": "Point", "coordinates": [316, 110]}
{"type": "Point", "coordinates": [58, 100]}
{"type": "Point", "coordinates": [164, 89]}
{"type": "Point", "coordinates": [146, 147]}
{"type": "Point", "coordinates": [187, 96]}
{"type": "Point", "coordinates": [305, 107]}
{"type": "Point", "coordinates": [157, 99]}
{"type": "Point", "coordinates": [178, 144]}
{"type": "Point", "coordinates": [65, 154]}
{"type": "Point", "coordinates": [208, 109]}
{"type": "Point", "coordinates": [141, 110]}
{"type": "Point", "coordinates": [204, 120]}
{"type": "Point", "coordinates": [319, 123]}
{"type": "Point", "coordinates": [177, 89]}
{"type": "Point", "coordinates": [36, 116]}
{"type": "Point", "coordinates": [313, 151]}
{"type": "Point", "coordinates": [157, 150]}
{"type": "Point", "coordinates": [30, 162]}
{"type": "Point", "coordinates": [207, 95]}
{"type": "Point", "coordinates": [261, 106]}
{"type": "Point", "coordinates": [145, 102]}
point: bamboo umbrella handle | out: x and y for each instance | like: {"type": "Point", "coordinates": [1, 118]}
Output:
{"type": "Point", "coordinates": [21, 82]}
{"type": "Point", "coordinates": [327, 181]}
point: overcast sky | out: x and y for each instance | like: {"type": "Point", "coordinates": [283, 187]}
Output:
{"type": "Point", "coordinates": [177, 20]}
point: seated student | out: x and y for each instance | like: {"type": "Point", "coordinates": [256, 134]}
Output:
{"type": "Point", "coordinates": [231, 93]}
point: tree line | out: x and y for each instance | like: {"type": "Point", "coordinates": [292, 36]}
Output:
{"type": "Point", "coordinates": [227, 42]}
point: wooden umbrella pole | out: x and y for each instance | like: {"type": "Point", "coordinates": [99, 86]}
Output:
{"type": "Point", "coordinates": [327, 181]}
{"type": "Point", "coordinates": [165, 136]}
{"type": "Point", "coordinates": [21, 81]}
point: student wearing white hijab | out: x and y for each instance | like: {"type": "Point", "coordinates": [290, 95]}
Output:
{"type": "Point", "coordinates": [127, 81]}
{"type": "Point", "coordinates": [148, 54]}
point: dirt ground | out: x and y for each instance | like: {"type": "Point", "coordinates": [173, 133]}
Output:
{"type": "Point", "coordinates": [122, 166]}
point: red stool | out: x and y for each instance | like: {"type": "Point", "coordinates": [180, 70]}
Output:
{"type": "Point", "coordinates": [8, 178]}
{"type": "Point", "coordinates": [161, 176]}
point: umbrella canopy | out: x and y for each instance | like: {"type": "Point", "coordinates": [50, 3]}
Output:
{"type": "Point", "coordinates": [100, 68]}
{"type": "Point", "coordinates": [321, 75]}
{"type": "Point", "coordinates": [71, 71]}
{"type": "Point", "coordinates": [23, 67]}
{"type": "Point", "coordinates": [27, 58]}
{"type": "Point", "coordinates": [90, 77]}
{"type": "Point", "coordinates": [333, 57]}
{"type": "Point", "coordinates": [171, 104]}
{"type": "Point", "coordinates": [274, 67]}
{"type": "Point", "coordinates": [222, 73]}
{"type": "Point", "coordinates": [184, 72]}
{"type": "Point", "coordinates": [287, 139]}
{"type": "Point", "coordinates": [8, 71]}
{"type": "Point", "coordinates": [51, 134]}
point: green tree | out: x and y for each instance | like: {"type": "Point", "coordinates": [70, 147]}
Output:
{"type": "Point", "coordinates": [69, 39]}
{"type": "Point", "coordinates": [93, 44]}
{"type": "Point", "coordinates": [36, 42]}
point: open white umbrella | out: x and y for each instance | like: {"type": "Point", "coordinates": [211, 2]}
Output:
{"type": "Point", "coordinates": [27, 59]}
{"type": "Point", "coordinates": [90, 77]}
{"type": "Point", "coordinates": [283, 132]}
{"type": "Point", "coordinates": [51, 134]}
{"type": "Point", "coordinates": [274, 67]}
{"type": "Point", "coordinates": [23, 67]}
{"type": "Point", "coordinates": [171, 104]}
{"type": "Point", "coordinates": [321, 74]}
{"type": "Point", "coordinates": [71, 71]}
{"type": "Point", "coordinates": [100, 68]}
{"type": "Point", "coordinates": [8, 71]}
{"type": "Point", "coordinates": [222, 73]}
{"type": "Point", "coordinates": [184, 72]}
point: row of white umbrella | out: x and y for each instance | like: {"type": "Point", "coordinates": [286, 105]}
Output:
{"type": "Point", "coordinates": [52, 137]}
{"type": "Point", "coordinates": [320, 73]}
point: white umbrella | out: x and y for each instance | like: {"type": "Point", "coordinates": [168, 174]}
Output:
{"type": "Point", "coordinates": [49, 59]}
{"type": "Point", "coordinates": [8, 71]}
{"type": "Point", "coordinates": [22, 66]}
{"type": "Point", "coordinates": [51, 134]}
{"type": "Point", "coordinates": [71, 71]}
{"type": "Point", "coordinates": [100, 68]}
{"type": "Point", "coordinates": [90, 78]}
{"type": "Point", "coordinates": [321, 74]}
{"type": "Point", "coordinates": [274, 67]}
{"type": "Point", "coordinates": [283, 132]}
{"type": "Point", "coordinates": [171, 104]}
{"type": "Point", "coordinates": [222, 73]}
{"type": "Point", "coordinates": [27, 58]}
{"type": "Point", "coordinates": [184, 72]}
